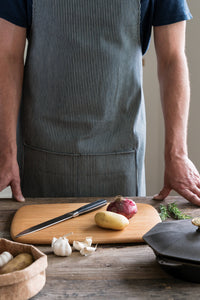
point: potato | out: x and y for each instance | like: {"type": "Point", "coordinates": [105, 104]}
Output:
{"type": "Point", "coordinates": [19, 262]}
{"type": "Point", "coordinates": [111, 220]}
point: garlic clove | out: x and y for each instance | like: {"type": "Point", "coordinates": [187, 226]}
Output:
{"type": "Point", "coordinates": [88, 241]}
{"type": "Point", "coordinates": [88, 250]}
{"type": "Point", "coordinates": [80, 245]}
{"type": "Point", "coordinates": [53, 241]}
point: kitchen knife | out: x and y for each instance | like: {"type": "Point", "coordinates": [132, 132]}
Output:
{"type": "Point", "coordinates": [75, 213]}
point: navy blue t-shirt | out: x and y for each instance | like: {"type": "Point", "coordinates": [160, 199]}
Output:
{"type": "Point", "coordinates": [153, 13]}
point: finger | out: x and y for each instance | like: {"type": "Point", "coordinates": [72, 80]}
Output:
{"type": "Point", "coordinates": [190, 196]}
{"type": "Point", "coordinates": [198, 183]}
{"type": "Point", "coordinates": [163, 194]}
{"type": "Point", "coordinates": [16, 190]}
{"type": "Point", "coordinates": [196, 190]}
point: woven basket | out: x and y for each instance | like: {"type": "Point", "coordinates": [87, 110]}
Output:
{"type": "Point", "coordinates": [23, 284]}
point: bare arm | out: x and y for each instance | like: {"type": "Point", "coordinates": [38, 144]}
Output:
{"type": "Point", "coordinates": [180, 173]}
{"type": "Point", "coordinates": [12, 44]}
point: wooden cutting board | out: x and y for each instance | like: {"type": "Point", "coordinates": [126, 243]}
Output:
{"type": "Point", "coordinates": [82, 226]}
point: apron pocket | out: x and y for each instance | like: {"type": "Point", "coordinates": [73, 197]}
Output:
{"type": "Point", "coordinates": [107, 175]}
{"type": "Point", "coordinates": [49, 174]}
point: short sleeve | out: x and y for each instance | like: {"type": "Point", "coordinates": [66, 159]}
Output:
{"type": "Point", "coordinates": [14, 11]}
{"type": "Point", "coordinates": [158, 13]}
{"type": "Point", "coordinates": [170, 11]}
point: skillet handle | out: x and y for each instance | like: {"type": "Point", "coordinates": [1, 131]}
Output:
{"type": "Point", "coordinates": [169, 263]}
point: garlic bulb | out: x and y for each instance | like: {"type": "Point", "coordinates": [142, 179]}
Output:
{"type": "Point", "coordinates": [61, 246]}
{"type": "Point", "coordinates": [88, 250]}
{"type": "Point", "coordinates": [5, 257]}
{"type": "Point", "coordinates": [80, 245]}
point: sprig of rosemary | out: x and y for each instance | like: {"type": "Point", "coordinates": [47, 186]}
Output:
{"type": "Point", "coordinates": [163, 212]}
{"type": "Point", "coordinates": [176, 213]}
{"type": "Point", "coordinates": [173, 211]}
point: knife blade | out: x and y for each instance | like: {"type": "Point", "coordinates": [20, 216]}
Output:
{"type": "Point", "coordinates": [75, 213]}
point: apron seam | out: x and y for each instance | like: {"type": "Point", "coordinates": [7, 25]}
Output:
{"type": "Point", "coordinates": [79, 154]}
{"type": "Point", "coordinates": [22, 170]}
{"type": "Point", "coordinates": [33, 14]}
{"type": "Point", "coordinates": [136, 174]}
{"type": "Point", "coordinates": [138, 27]}
{"type": "Point", "coordinates": [76, 177]}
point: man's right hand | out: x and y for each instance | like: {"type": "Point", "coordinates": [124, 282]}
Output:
{"type": "Point", "coordinates": [12, 45]}
{"type": "Point", "coordinates": [9, 176]}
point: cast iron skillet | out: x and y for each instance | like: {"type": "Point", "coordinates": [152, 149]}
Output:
{"type": "Point", "coordinates": [180, 269]}
{"type": "Point", "coordinates": [176, 246]}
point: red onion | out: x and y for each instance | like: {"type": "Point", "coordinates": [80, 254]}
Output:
{"type": "Point", "coordinates": [124, 206]}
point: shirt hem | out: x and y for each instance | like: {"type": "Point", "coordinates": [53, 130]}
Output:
{"type": "Point", "coordinates": [180, 18]}
{"type": "Point", "coordinates": [13, 21]}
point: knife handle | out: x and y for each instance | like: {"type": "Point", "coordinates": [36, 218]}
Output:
{"type": "Point", "coordinates": [88, 207]}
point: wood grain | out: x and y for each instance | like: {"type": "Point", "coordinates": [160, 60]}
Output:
{"type": "Point", "coordinates": [82, 226]}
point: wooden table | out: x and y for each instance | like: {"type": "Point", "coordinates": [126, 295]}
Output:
{"type": "Point", "coordinates": [113, 271]}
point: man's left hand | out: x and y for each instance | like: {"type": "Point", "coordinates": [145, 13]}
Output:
{"type": "Point", "coordinates": [181, 176]}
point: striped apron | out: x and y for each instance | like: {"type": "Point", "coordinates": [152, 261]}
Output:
{"type": "Point", "coordinates": [82, 119]}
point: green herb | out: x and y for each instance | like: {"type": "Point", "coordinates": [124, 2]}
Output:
{"type": "Point", "coordinates": [163, 212]}
{"type": "Point", "coordinates": [176, 213]}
